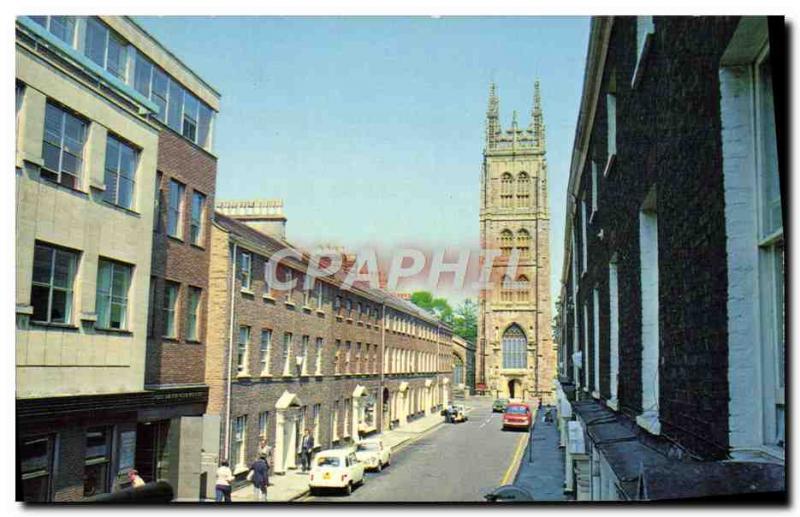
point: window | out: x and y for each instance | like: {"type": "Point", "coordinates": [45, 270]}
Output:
{"type": "Point", "coordinates": [193, 314]}
{"type": "Point", "coordinates": [196, 224]}
{"type": "Point", "coordinates": [337, 358]}
{"type": "Point", "coordinates": [62, 149]}
{"type": "Point", "coordinates": [63, 27]}
{"type": "Point", "coordinates": [205, 118]}
{"type": "Point", "coordinates": [190, 112]}
{"type": "Point", "coordinates": [307, 297]}
{"type": "Point", "coordinates": [51, 290]}
{"type": "Point", "coordinates": [584, 224]}
{"type": "Point", "coordinates": [347, 351]}
{"type": "Point", "coordinates": [142, 75]}
{"type": "Point", "coordinates": [175, 106]}
{"type": "Point", "coordinates": [348, 306]}
{"type": "Point", "coordinates": [287, 352]}
{"type": "Point", "coordinates": [238, 431]}
{"type": "Point", "coordinates": [357, 361]}
{"type": "Point", "coordinates": [319, 295]}
{"type": "Point", "coordinates": [266, 346]}
{"type": "Point", "coordinates": [523, 287]}
{"type": "Point", "coordinates": [648, 244]}
{"type": "Point", "coordinates": [611, 114]}
{"type": "Point", "coordinates": [158, 93]}
{"type": "Point", "coordinates": [506, 242]}
{"type": "Point", "coordinates": [104, 48]}
{"type": "Point", "coordinates": [318, 366]}
{"type": "Point", "coordinates": [157, 219]}
{"type": "Point", "coordinates": [245, 269]}
{"type": "Point", "coordinates": [347, 406]}
{"type": "Point", "coordinates": [644, 26]}
{"type": "Point", "coordinates": [242, 346]}
{"type": "Point", "coordinates": [335, 421]}
{"type": "Point", "coordinates": [288, 277]}
{"type": "Point", "coordinates": [524, 243]}
{"type": "Point", "coordinates": [169, 309]}
{"type": "Point", "coordinates": [113, 281]}
{"type": "Point", "coordinates": [506, 190]}
{"type": "Point", "coordinates": [613, 301]}
{"type": "Point", "coordinates": [304, 352]}
{"type": "Point", "coordinates": [36, 468]}
{"type": "Point", "coordinates": [337, 304]}
{"type": "Point", "coordinates": [596, 339]}
{"type": "Point", "coordinates": [507, 289]}
{"type": "Point", "coordinates": [175, 209]}
{"type": "Point", "coordinates": [151, 306]}
{"type": "Point", "coordinates": [315, 411]}
{"type": "Point", "coordinates": [585, 347]}
{"type": "Point", "coordinates": [120, 176]}
{"type": "Point", "coordinates": [97, 472]}
{"type": "Point", "coordinates": [263, 425]}
{"type": "Point", "coordinates": [523, 190]}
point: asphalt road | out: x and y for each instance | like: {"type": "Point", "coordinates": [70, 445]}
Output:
{"type": "Point", "coordinates": [452, 463]}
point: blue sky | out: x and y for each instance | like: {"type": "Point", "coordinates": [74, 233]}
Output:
{"type": "Point", "coordinates": [371, 129]}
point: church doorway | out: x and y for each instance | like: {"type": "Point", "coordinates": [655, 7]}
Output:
{"type": "Point", "coordinates": [514, 389]}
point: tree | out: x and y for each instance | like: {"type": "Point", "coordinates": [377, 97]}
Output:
{"type": "Point", "coordinates": [439, 307]}
{"type": "Point", "coordinates": [465, 320]}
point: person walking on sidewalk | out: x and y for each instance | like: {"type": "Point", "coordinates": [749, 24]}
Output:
{"type": "Point", "coordinates": [307, 445]}
{"type": "Point", "coordinates": [265, 449]}
{"type": "Point", "coordinates": [223, 483]}
{"type": "Point", "coordinates": [259, 476]}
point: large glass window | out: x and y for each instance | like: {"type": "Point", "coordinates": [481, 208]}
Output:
{"type": "Point", "coordinates": [304, 352]}
{"type": "Point", "coordinates": [239, 425]}
{"type": "Point", "coordinates": [104, 48]}
{"type": "Point", "coordinates": [62, 27]}
{"type": "Point", "coordinates": [287, 352]}
{"type": "Point", "coordinates": [158, 92]}
{"type": "Point", "coordinates": [169, 309]}
{"type": "Point", "coordinates": [36, 468]}
{"type": "Point", "coordinates": [266, 347]}
{"type": "Point", "coordinates": [196, 225]}
{"type": "Point", "coordinates": [113, 282]}
{"type": "Point", "coordinates": [175, 106]}
{"type": "Point", "coordinates": [64, 136]}
{"type": "Point", "coordinates": [120, 177]}
{"type": "Point", "coordinates": [318, 365]}
{"type": "Point", "coordinates": [515, 348]}
{"type": "Point", "coordinates": [97, 472]}
{"type": "Point", "coordinates": [193, 314]}
{"type": "Point", "coordinates": [53, 277]}
{"type": "Point", "coordinates": [245, 269]}
{"type": "Point", "coordinates": [175, 209]}
{"type": "Point", "coordinates": [241, 349]}
{"type": "Point", "coordinates": [190, 108]}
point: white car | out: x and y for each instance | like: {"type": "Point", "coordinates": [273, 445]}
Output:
{"type": "Point", "coordinates": [336, 468]}
{"type": "Point", "coordinates": [374, 454]}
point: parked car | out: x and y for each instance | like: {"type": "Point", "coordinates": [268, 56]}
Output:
{"type": "Point", "coordinates": [456, 413]}
{"type": "Point", "coordinates": [517, 416]}
{"type": "Point", "coordinates": [336, 468]}
{"type": "Point", "coordinates": [373, 454]}
{"type": "Point", "coordinates": [499, 405]}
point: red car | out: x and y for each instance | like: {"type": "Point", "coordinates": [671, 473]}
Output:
{"type": "Point", "coordinates": [517, 416]}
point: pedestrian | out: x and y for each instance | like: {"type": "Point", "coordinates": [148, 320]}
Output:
{"type": "Point", "coordinates": [266, 449]}
{"type": "Point", "coordinates": [307, 445]}
{"type": "Point", "coordinates": [260, 477]}
{"type": "Point", "coordinates": [135, 479]}
{"type": "Point", "coordinates": [223, 483]}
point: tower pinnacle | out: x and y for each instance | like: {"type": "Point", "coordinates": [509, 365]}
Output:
{"type": "Point", "coordinates": [492, 116]}
{"type": "Point", "coordinates": [537, 123]}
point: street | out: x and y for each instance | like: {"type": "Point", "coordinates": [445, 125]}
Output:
{"type": "Point", "coordinates": [453, 462]}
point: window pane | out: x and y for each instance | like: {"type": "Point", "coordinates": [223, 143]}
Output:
{"type": "Point", "coordinates": [40, 298]}
{"type": "Point", "coordinates": [175, 106]}
{"type": "Point", "coordinates": [159, 92]}
{"type": "Point", "coordinates": [127, 161]}
{"type": "Point", "coordinates": [117, 57]}
{"type": "Point", "coordinates": [141, 78]}
{"type": "Point", "coordinates": [772, 220]}
{"type": "Point", "coordinates": [63, 27]}
{"type": "Point", "coordinates": [42, 264]}
{"type": "Point", "coordinates": [51, 155]}
{"type": "Point", "coordinates": [96, 42]}
{"type": "Point", "coordinates": [125, 197]}
{"type": "Point", "coordinates": [64, 269]}
{"type": "Point", "coordinates": [59, 309]}
{"type": "Point", "coordinates": [204, 126]}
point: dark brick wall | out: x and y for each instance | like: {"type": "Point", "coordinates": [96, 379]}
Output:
{"type": "Point", "coordinates": [668, 137]}
{"type": "Point", "coordinates": [178, 361]}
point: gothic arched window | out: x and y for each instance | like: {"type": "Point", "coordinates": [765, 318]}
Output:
{"type": "Point", "coordinates": [506, 190]}
{"type": "Point", "coordinates": [506, 242]}
{"type": "Point", "coordinates": [524, 242]}
{"type": "Point", "coordinates": [523, 190]}
{"type": "Point", "coordinates": [515, 348]}
{"type": "Point", "coordinates": [507, 289]}
{"type": "Point", "coordinates": [523, 287]}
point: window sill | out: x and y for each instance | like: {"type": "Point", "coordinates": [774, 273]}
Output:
{"type": "Point", "coordinates": [193, 341]}
{"type": "Point", "coordinates": [320, 313]}
{"type": "Point", "coordinates": [172, 339]}
{"type": "Point", "coordinates": [307, 309]}
{"type": "Point", "coordinates": [649, 422]}
{"type": "Point", "coordinates": [290, 304]}
{"type": "Point", "coordinates": [596, 394]}
{"type": "Point", "coordinates": [613, 404]}
{"type": "Point", "coordinates": [108, 330]}
{"type": "Point", "coordinates": [612, 158]}
{"type": "Point", "coordinates": [25, 309]}
{"type": "Point", "coordinates": [247, 291]}
{"type": "Point", "coordinates": [640, 62]}
{"type": "Point", "coordinates": [268, 298]}
{"type": "Point", "coordinates": [46, 324]}
{"type": "Point", "coordinates": [349, 320]}
{"type": "Point", "coordinates": [243, 376]}
{"type": "Point", "coordinates": [265, 375]}
{"type": "Point", "coordinates": [197, 246]}
{"type": "Point", "coordinates": [175, 238]}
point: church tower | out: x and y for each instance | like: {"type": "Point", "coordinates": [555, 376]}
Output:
{"type": "Point", "coordinates": [515, 351]}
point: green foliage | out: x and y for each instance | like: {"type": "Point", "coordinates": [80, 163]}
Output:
{"type": "Point", "coordinates": [463, 321]}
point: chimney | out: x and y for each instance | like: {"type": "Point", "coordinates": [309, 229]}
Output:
{"type": "Point", "coordinates": [264, 215]}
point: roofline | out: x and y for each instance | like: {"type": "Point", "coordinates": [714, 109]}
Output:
{"type": "Point", "coordinates": [189, 69]}
{"type": "Point", "coordinates": [592, 82]}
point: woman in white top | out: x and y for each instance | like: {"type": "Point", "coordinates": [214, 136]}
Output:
{"type": "Point", "coordinates": [224, 478]}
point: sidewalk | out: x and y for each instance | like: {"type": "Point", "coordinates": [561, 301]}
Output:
{"type": "Point", "coordinates": [294, 484]}
{"type": "Point", "coordinates": [544, 476]}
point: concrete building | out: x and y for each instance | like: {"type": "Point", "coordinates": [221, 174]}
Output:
{"type": "Point", "coordinates": [515, 358]}
{"type": "Point", "coordinates": [95, 98]}
{"type": "Point", "coordinates": [672, 314]}
{"type": "Point", "coordinates": [338, 361]}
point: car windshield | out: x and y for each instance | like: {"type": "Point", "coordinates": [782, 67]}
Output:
{"type": "Point", "coordinates": [517, 410]}
{"type": "Point", "coordinates": [328, 461]}
{"type": "Point", "coordinates": [368, 446]}
{"type": "Point", "coordinates": [500, 401]}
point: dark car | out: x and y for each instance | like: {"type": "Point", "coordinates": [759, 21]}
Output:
{"type": "Point", "coordinates": [499, 405]}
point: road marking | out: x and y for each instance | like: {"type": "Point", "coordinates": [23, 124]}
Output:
{"type": "Point", "coordinates": [515, 459]}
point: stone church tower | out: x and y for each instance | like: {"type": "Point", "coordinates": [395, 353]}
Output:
{"type": "Point", "coordinates": [515, 351]}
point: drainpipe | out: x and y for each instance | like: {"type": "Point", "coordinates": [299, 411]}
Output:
{"type": "Point", "coordinates": [382, 360]}
{"type": "Point", "coordinates": [230, 355]}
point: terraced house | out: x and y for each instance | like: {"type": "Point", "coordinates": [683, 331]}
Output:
{"type": "Point", "coordinates": [339, 361]}
{"type": "Point", "coordinates": [102, 107]}
{"type": "Point", "coordinates": [672, 306]}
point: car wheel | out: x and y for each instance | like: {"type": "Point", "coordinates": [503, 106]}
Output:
{"type": "Point", "coordinates": [380, 466]}
{"type": "Point", "coordinates": [349, 488]}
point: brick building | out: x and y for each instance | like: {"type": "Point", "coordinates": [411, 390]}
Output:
{"type": "Point", "coordinates": [104, 113]}
{"type": "Point", "coordinates": [515, 356]}
{"type": "Point", "coordinates": [338, 361]}
{"type": "Point", "coordinates": [671, 349]}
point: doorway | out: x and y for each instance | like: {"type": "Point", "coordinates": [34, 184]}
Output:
{"type": "Point", "coordinates": [514, 389]}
